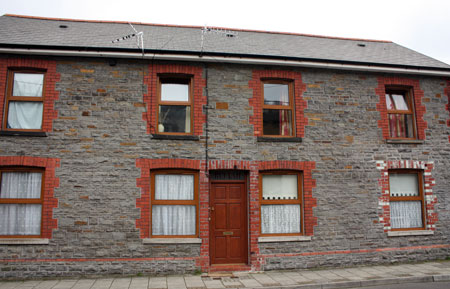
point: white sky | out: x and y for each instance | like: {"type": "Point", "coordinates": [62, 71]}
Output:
{"type": "Point", "coordinates": [421, 25]}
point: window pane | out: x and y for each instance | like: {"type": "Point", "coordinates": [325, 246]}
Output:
{"type": "Point", "coordinates": [276, 187]}
{"type": "Point", "coordinates": [174, 92]}
{"type": "Point", "coordinates": [25, 115]}
{"type": "Point", "coordinates": [174, 118]}
{"type": "Point", "coordinates": [276, 94]}
{"type": "Point", "coordinates": [401, 126]}
{"type": "Point", "coordinates": [406, 215]}
{"type": "Point", "coordinates": [277, 122]}
{"type": "Point", "coordinates": [280, 219]}
{"type": "Point", "coordinates": [20, 185]}
{"type": "Point", "coordinates": [173, 220]}
{"type": "Point", "coordinates": [20, 219]}
{"type": "Point", "coordinates": [400, 102]}
{"type": "Point", "coordinates": [28, 84]}
{"type": "Point", "coordinates": [174, 187]}
{"type": "Point", "coordinates": [403, 185]}
{"type": "Point", "coordinates": [389, 103]}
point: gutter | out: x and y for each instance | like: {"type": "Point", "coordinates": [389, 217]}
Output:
{"type": "Point", "coordinates": [229, 59]}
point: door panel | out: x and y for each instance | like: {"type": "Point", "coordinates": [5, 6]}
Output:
{"type": "Point", "coordinates": [228, 222]}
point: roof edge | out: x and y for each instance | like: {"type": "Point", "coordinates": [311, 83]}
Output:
{"type": "Point", "coordinates": [195, 26]}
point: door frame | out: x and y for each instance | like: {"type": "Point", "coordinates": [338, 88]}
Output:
{"type": "Point", "coordinates": [246, 225]}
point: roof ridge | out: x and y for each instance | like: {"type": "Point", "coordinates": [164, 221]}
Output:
{"type": "Point", "coordinates": [195, 26]}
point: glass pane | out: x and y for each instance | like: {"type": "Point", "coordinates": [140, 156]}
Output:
{"type": "Point", "coordinates": [280, 219]}
{"type": "Point", "coordinates": [276, 94]}
{"type": "Point", "coordinates": [20, 185]}
{"type": "Point", "coordinates": [28, 84]}
{"type": "Point", "coordinates": [401, 126]}
{"type": "Point", "coordinates": [174, 92]}
{"type": "Point", "coordinates": [174, 118]}
{"type": "Point", "coordinates": [400, 102]}
{"type": "Point", "coordinates": [20, 219]}
{"type": "Point", "coordinates": [402, 185]}
{"type": "Point", "coordinates": [389, 103]}
{"type": "Point", "coordinates": [25, 115]}
{"type": "Point", "coordinates": [173, 220]}
{"type": "Point", "coordinates": [277, 122]}
{"type": "Point", "coordinates": [279, 187]}
{"type": "Point", "coordinates": [406, 215]}
{"type": "Point", "coordinates": [174, 187]}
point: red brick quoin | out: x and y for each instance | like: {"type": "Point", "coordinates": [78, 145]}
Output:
{"type": "Point", "coordinates": [51, 77]}
{"type": "Point", "coordinates": [256, 100]}
{"type": "Point", "coordinates": [418, 94]}
{"type": "Point", "coordinates": [50, 183]}
{"type": "Point", "coordinates": [447, 92]}
{"type": "Point", "coordinates": [429, 198]}
{"type": "Point", "coordinates": [151, 98]}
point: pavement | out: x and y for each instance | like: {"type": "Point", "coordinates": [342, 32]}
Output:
{"type": "Point", "coordinates": [438, 271]}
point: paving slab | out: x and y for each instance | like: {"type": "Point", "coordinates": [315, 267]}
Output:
{"type": "Point", "coordinates": [120, 283]}
{"type": "Point", "coordinates": [102, 284]}
{"type": "Point", "coordinates": [65, 284]}
{"type": "Point", "coordinates": [139, 283]}
{"type": "Point", "coordinates": [157, 282]}
{"type": "Point", "coordinates": [46, 284]}
{"type": "Point", "coordinates": [194, 282]}
{"type": "Point", "coordinates": [176, 282]}
{"type": "Point", "coordinates": [212, 283]}
{"type": "Point", "coordinates": [84, 284]}
{"type": "Point", "coordinates": [265, 279]}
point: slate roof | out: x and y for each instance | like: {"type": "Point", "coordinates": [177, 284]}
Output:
{"type": "Point", "coordinates": [26, 31]}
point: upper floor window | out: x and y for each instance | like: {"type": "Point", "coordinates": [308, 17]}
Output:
{"type": "Point", "coordinates": [400, 111]}
{"type": "Point", "coordinates": [21, 202]}
{"type": "Point", "coordinates": [174, 203]}
{"type": "Point", "coordinates": [281, 203]}
{"type": "Point", "coordinates": [175, 111]}
{"type": "Point", "coordinates": [24, 101]}
{"type": "Point", "coordinates": [406, 199]}
{"type": "Point", "coordinates": [277, 107]}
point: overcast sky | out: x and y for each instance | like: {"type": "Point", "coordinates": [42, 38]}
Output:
{"type": "Point", "coordinates": [422, 25]}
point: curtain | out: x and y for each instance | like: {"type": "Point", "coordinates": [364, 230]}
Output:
{"type": "Point", "coordinates": [280, 219]}
{"type": "Point", "coordinates": [20, 219]}
{"type": "Point", "coordinates": [28, 84]}
{"type": "Point", "coordinates": [173, 220]}
{"type": "Point", "coordinates": [403, 185]}
{"type": "Point", "coordinates": [285, 126]}
{"type": "Point", "coordinates": [279, 187]}
{"type": "Point", "coordinates": [406, 215]}
{"type": "Point", "coordinates": [174, 187]}
{"type": "Point", "coordinates": [25, 114]}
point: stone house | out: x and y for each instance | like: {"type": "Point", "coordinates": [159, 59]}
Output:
{"type": "Point", "coordinates": [181, 149]}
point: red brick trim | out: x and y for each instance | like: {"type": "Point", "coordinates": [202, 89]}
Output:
{"type": "Point", "coordinates": [51, 182]}
{"type": "Point", "coordinates": [51, 77]}
{"type": "Point", "coordinates": [447, 92]}
{"type": "Point", "coordinates": [429, 199]}
{"type": "Point", "coordinates": [300, 104]}
{"type": "Point", "coordinates": [151, 98]}
{"type": "Point", "coordinates": [418, 94]}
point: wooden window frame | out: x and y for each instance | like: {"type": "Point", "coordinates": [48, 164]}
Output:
{"type": "Point", "coordinates": [299, 200]}
{"type": "Point", "coordinates": [408, 93]}
{"type": "Point", "coordinates": [9, 97]}
{"type": "Point", "coordinates": [175, 79]}
{"type": "Point", "coordinates": [193, 202]}
{"type": "Point", "coordinates": [420, 197]}
{"type": "Point", "coordinates": [291, 106]}
{"type": "Point", "coordinates": [25, 201]}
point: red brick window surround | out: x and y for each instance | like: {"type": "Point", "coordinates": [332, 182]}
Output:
{"type": "Point", "coordinates": [422, 172]}
{"type": "Point", "coordinates": [294, 111]}
{"type": "Point", "coordinates": [9, 67]}
{"type": "Point", "coordinates": [392, 122]}
{"type": "Point", "coordinates": [157, 106]}
{"type": "Point", "coordinates": [45, 167]}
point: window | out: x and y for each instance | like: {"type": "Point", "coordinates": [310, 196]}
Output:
{"type": "Point", "coordinates": [406, 199]}
{"type": "Point", "coordinates": [400, 111]}
{"type": "Point", "coordinates": [174, 204]}
{"type": "Point", "coordinates": [24, 101]}
{"type": "Point", "coordinates": [21, 202]}
{"type": "Point", "coordinates": [175, 106]}
{"type": "Point", "coordinates": [277, 108]}
{"type": "Point", "coordinates": [281, 203]}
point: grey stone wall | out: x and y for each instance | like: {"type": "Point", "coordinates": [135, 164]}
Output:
{"type": "Point", "coordinates": [99, 134]}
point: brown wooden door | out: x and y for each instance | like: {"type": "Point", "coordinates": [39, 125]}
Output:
{"type": "Point", "coordinates": [228, 222]}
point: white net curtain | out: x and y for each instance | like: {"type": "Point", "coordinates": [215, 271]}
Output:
{"type": "Point", "coordinates": [20, 219]}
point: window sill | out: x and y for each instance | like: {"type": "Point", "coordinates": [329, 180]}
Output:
{"type": "Point", "coordinates": [284, 239]}
{"type": "Point", "coordinates": [23, 133]}
{"type": "Point", "coordinates": [175, 137]}
{"type": "Point", "coordinates": [23, 241]}
{"type": "Point", "coordinates": [172, 241]}
{"type": "Point", "coordinates": [278, 139]}
{"type": "Point", "coordinates": [405, 141]}
{"type": "Point", "coordinates": [410, 233]}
